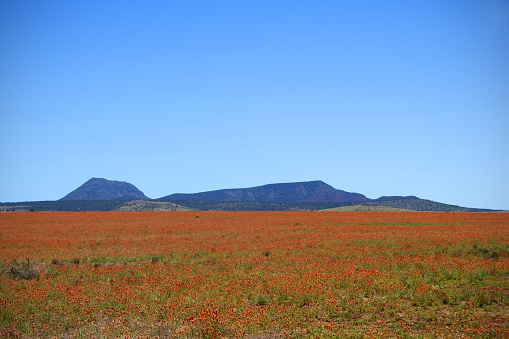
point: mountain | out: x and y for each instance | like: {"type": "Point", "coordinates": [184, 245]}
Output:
{"type": "Point", "coordinates": [309, 191]}
{"type": "Point", "coordinates": [102, 189]}
{"type": "Point", "coordinates": [107, 195]}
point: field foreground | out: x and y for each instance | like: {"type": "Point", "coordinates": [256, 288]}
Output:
{"type": "Point", "coordinates": [254, 275]}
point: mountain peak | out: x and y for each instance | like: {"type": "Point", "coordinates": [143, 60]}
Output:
{"type": "Point", "coordinates": [103, 189]}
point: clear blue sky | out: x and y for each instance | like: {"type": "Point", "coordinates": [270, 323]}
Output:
{"type": "Point", "coordinates": [375, 97]}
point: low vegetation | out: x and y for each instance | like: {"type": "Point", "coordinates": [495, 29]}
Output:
{"type": "Point", "coordinates": [182, 205]}
{"type": "Point", "coordinates": [254, 275]}
{"type": "Point", "coordinates": [423, 205]}
{"type": "Point", "coordinates": [364, 208]}
{"type": "Point", "coordinates": [144, 205]}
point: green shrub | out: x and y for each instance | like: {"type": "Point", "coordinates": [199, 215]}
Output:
{"type": "Point", "coordinates": [21, 271]}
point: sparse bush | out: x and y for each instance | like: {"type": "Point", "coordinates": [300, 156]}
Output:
{"type": "Point", "coordinates": [26, 270]}
{"type": "Point", "coordinates": [494, 255]}
{"type": "Point", "coordinates": [485, 298]}
{"type": "Point", "coordinates": [261, 300]}
{"type": "Point", "coordinates": [304, 300]}
{"type": "Point", "coordinates": [156, 259]}
{"type": "Point", "coordinates": [57, 262]}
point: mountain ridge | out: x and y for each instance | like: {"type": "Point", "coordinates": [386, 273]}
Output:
{"type": "Point", "coordinates": [98, 194]}
{"type": "Point", "coordinates": [306, 191]}
{"type": "Point", "coordinates": [303, 191]}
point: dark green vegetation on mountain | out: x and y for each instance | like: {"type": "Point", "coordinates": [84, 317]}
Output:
{"type": "Point", "coordinates": [424, 205]}
{"type": "Point", "coordinates": [62, 206]}
{"type": "Point", "coordinates": [258, 205]}
{"type": "Point", "coordinates": [419, 205]}
{"type": "Point", "coordinates": [144, 205]}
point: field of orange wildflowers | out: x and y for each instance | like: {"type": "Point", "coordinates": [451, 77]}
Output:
{"type": "Point", "coordinates": [254, 275]}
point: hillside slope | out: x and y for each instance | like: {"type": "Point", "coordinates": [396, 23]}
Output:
{"type": "Point", "coordinates": [423, 205]}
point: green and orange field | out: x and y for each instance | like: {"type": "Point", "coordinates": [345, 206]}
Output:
{"type": "Point", "coordinates": [254, 275]}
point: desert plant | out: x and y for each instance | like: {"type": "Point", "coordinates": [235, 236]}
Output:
{"type": "Point", "coordinates": [26, 270]}
{"type": "Point", "coordinates": [261, 300]}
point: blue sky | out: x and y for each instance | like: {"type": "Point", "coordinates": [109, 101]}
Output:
{"type": "Point", "coordinates": [375, 97]}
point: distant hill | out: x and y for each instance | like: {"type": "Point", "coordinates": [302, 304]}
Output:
{"type": "Point", "coordinates": [364, 208]}
{"type": "Point", "coordinates": [309, 191]}
{"type": "Point", "coordinates": [102, 189]}
{"type": "Point", "coordinates": [423, 205]}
